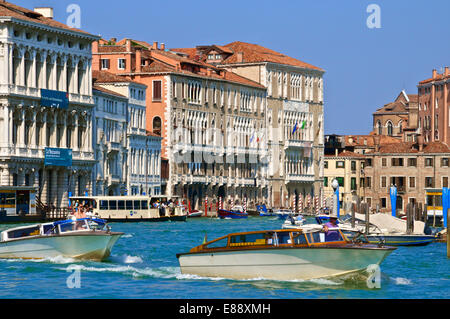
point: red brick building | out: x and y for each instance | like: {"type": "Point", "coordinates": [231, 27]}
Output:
{"type": "Point", "coordinates": [434, 104]}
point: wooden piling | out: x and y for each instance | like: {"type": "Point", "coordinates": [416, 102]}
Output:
{"type": "Point", "coordinates": [353, 214]}
{"type": "Point", "coordinates": [408, 218]}
{"type": "Point", "coordinates": [366, 212]}
{"type": "Point", "coordinates": [448, 235]}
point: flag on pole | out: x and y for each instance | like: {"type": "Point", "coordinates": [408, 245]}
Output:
{"type": "Point", "coordinates": [303, 125]}
{"type": "Point", "coordinates": [295, 128]}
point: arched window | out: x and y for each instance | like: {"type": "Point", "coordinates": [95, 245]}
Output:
{"type": "Point", "coordinates": [390, 128]}
{"type": "Point", "coordinates": [380, 128]}
{"type": "Point", "coordinates": [400, 126]}
{"type": "Point", "coordinates": [157, 125]}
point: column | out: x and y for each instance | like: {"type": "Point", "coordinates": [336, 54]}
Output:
{"type": "Point", "coordinates": [54, 188]}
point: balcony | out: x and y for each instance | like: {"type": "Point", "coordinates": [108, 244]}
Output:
{"type": "Point", "coordinates": [299, 178]}
{"type": "Point", "coordinates": [114, 147]}
{"type": "Point", "coordinates": [113, 179]}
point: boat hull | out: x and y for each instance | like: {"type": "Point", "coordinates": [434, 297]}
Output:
{"type": "Point", "coordinates": [402, 240]}
{"type": "Point", "coordinates": [282, 263]}
{"type": "Point", "coordinates": [85, 246]}
{"type": "Point", "coordinates": [229, 214]}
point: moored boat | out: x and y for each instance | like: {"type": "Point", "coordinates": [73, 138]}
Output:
{"type": "Point", "coordinates": [395, 235]}
{"type": "Point", "coordinates": [281, 255]}
{"type": "Point", "coordinates": [85, 238]}
{"type": "Point", "coordinates": [195, 213]}
{"type": "Point", "coordinates": [234, 213]}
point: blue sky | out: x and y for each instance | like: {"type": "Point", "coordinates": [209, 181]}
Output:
{"type": "Point", "coordinates": [365, 68]}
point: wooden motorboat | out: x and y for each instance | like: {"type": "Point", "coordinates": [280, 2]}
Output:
{"type": "Point", "coordinates": [86, 238]}
{"type": "Point", "coordinates": [281, 255]}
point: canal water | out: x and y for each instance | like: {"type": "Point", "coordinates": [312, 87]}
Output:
{"type": "Point", "coordinates": [143, 265]}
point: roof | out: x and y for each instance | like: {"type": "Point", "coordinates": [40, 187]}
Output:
{"type": "Point", "coordinates": [368, 141]}
{"type": "Point", "coordinates": [400, 104]}
{"type": "Point", "coordinates": [8, 9]}
{"type": "Point", "coordinates": [346, 154]}
{"type": "Point", "coordinates": [438, 77]}
{"type": "Point", "coordinates": [107, 77]}
{"type": "Point", "coordinates": [413, 147]}
{"type": "Point", "coordinates": [168, 61]}
{"type": "Point", "coordinates": [106, 91]}
{"type": "Point", "coordinates": [256, 53]}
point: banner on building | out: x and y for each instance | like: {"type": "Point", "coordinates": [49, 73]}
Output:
{"type": "Point", "coordinates": [54, 99]}
{"type": "Point", "coordinates": [58, 157]}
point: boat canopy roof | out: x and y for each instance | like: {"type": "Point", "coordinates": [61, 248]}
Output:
{"type": "Point", "coordinates": [69, 221]}
{"type": "Point", "coordinates": [273, 238]}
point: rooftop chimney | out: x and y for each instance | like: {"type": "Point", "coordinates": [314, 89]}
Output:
{"type": "Point", "coordinates": [240, 57]}
{"type": "Point", "coordinates": [155, 45]}
{"type": "Point", "coordinates": [163, 46]}
{"type": "Point", "coordinates": [376, 142]}
{"type": "Point", "coordinates": [420, 142]}
{"type": "Point", "coordinates": [128, 45]}
{"type": "Point", "coordinates": [138, 61]}
{"type": "Point", "coordinates": [45, 11]}
{"type": "Point", "coordinates": [446, 72]}
{"type": "Point", "coordinates": [434, 73]}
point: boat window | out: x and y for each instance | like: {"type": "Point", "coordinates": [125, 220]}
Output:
{"type": "Point", "coordinates": [137, 204]}
{"type": "Point", "coordinates": [218, 243]}
{"type": "Point", "coordinates": [322, 237]}
{"type": "Point", "coordinates": [249, 239]}
{"type": "Point", "coordinates": [103, 205]}
{"type": "Point", "coordinates": [121, 204]}
{"type": "Point", "coordinates": [8, 199]}
{"type": "Point", "coordinates": [49, 229]}
{"type": "Point", "coordinates": [112, 204]}
{"type": "Point", "coordinates": [299, 239]}
{"type": "Point", "coordinates": [284, 238]}
{"type": "Point", "coordinates": [144, 204]}
{"type": "Point", "coordinates": [129, 204]}
{"type": "Point", "coordinates": [67, 227]}
{"type": "Point", "coordinates": [24, 232]}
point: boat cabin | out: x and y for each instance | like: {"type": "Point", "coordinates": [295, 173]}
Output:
{"type": "Point", "coordinates": [129, 207]}
{"type": "Point", "coordinates": [274, 238]}
{"type": "Point", "coordinates": [56, 228]}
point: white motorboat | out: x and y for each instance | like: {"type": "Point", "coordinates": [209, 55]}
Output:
{"type": "Point", "coordinates": [382, 228]}
{"type": "Point", "coordinates": [85, 238]}
{"type": "Point", "coordinates": [281, 255]}
{"type": "Point", "coordinates": [283, 213]}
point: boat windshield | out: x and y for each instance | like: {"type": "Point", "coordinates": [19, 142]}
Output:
{"type": "Point", "coordinates": [76, 225]}
{"type": "Point", "coordinates": [325, 237]}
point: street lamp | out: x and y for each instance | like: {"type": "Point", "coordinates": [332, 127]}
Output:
{"type": "Point", "coordinates": [335, 185]}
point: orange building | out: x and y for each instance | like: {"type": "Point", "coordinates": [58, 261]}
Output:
{"type": "Point", "coordinates": [219, 112]}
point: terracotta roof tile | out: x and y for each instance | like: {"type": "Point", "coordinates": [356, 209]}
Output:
{"type": "Point", "coordinates": [107, 77]}
{"type": "Point", "coordinates": [11, 10]}
{"type": "Point", "coordinates": [257, 53]}
{"type": "Point", "coordinates": [346, 154]}
{"type": "Point", "coordinates": [412, 147]}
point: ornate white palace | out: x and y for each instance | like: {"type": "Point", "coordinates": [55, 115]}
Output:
{"type": "Point", "coordinates": [41, 58]}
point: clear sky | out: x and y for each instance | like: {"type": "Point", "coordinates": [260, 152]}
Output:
{"type": "Point", "coordinates": [365, 68]}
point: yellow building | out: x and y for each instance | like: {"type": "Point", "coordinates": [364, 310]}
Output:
{"type": "Point", "coordinates": [347, 168]}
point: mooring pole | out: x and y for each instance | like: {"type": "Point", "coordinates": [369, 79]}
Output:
{"type": "Point", "coordinates": [448, 235]}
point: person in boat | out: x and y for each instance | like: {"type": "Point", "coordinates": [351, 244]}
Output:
{"type": "Point", "coordinates": [331, 235]}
